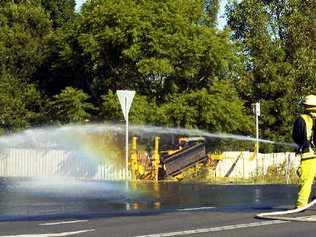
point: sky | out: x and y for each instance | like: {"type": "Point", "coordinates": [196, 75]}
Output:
{"type": "Point", "coordinates": [79, 3]}
{"type": "Point", "coordinates": [221, 19]}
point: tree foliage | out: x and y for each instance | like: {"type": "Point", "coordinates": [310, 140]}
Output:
{"type": "Point", "coordinates": [158, 47]}
{"type": "Point", "coordinates": [25, 29]}
{"type": "Point", "coordinates": [20, 103]}
{"type": "Point", "coordinates": [278, 41]}
{"type": "Point", "coordinates": [217, 109]}
{"type": "Point", "coordinates": [58, 65]}
{"type": "Point", "coordinates": [143, 110]}
{"type": "Point", "coordinates": [60, 11]}
{"type": "Point", "coordinates": [71, 106]}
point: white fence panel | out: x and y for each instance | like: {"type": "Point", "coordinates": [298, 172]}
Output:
{"type": "Point", "coordinates": [239, 164]}
{"type": "Point", "coordinates": [47, 163]}
{"type": "Point", "coordinates": [59, 163]}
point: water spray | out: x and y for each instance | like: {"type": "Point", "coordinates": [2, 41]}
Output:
{"type": "Point", "coordinates": [202, 133]}
{"type": "Point", "coordinates": [48, 137]}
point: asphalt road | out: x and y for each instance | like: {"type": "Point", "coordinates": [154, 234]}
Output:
{"type": "Point", "coordinates": [33, 209]}
{"type": "Point", "coordinates": [174, 222]}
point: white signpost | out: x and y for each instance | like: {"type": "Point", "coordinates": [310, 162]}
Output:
{"type": "Point", "coordinates": [126, 98]}
{"type": "Point", "coordinates": [256, 111]}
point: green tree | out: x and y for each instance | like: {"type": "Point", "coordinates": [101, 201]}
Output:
{"type": "Point", "coordinates": [20, 103]}
{"type": "Point", "coordinates": [278, 42]}
{"type": "Point", "coordinates": [156, 47]}
{"type": "Point", "coordinates": [299, 34]}
{"type": "Point", "coordinates": [70, 106]}
{"type": "Point", "coordinates": [217, 109]}
{"type": "Point", "coordinates": [142, 111]}
{"type": "Point", "coordinates": [62, 67]}
{"type": "Point", "coordinates": [212, 9]}
{"type": "Point", "coordinates": [25, 29]}
{"type": "Point", "coordinates": [110, 109]}
{"type": "Point", "coordinates": [60, 11]}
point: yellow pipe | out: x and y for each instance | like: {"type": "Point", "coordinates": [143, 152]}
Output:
{"type": "Point", "coordinates": [134, 143]}
{"type": "Point", "coordinates": [156, 158]}
{"type": "Point", "coordinates": [156, 150]}
{"type": "Point", "coordinates": [133, 160]}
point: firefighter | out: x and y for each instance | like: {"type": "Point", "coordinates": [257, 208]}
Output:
{"type": "Point", "coordinates": [305, 137]}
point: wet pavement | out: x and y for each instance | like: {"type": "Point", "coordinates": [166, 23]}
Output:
{"type": "Point", "coordinates": [66, 207]}
{"type": "Point", "coordinates": [64, 197]}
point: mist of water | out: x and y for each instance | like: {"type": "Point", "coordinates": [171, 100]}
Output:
{"type": "Point", "coordinates": [70, 186]}
{"type": "Point", "coordinates": [64, 138]}
{"type": "Point", "coordinates": [202, 133]}
{"type": "Point", "coordinates": [54, 137]}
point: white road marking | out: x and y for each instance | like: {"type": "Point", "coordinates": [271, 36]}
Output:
{"type": "Point", "coordinates": [214, 229]}
{"type": "Point", "coordinates": [62, 222]}
{"type": "Point", "coordinates": [51, 234]}
{"type": "Point", "coordinates": [195, 209]}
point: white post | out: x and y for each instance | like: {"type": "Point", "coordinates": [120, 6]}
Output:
{"type": "Point", "coordinates": [257, 113]}
{"type": "Point", "coordinates": [126, 143]}
{"type": "Point", "coordinates": [126, 99]}
{"type": "Point", "coordinates": [287, 170]}
{"type": "Point", "coordinates": [257, 143]}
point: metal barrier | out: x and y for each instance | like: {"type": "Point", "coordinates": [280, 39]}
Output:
{"type": "Point", "coordinates": [47, 163]}
{"type": "Point", "coordinates": [245, 166]}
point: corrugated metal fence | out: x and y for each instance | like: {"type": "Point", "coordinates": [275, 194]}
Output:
{"type": "Point", "coordinates": [47, 163]}
{"type": "Point", "coordinates": [244, 164]}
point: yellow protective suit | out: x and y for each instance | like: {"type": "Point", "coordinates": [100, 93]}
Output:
{"type": "Point", "coordinates": [307, 169]}
{"type": "Point", "coordinates": [307, 172]}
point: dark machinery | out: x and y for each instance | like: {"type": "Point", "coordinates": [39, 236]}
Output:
{"type": "Point", "coordinates": [191, 151]}
{"type": "Point", "coordinates": [169, 162]}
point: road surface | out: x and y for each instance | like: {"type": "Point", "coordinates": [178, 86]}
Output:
{"type": "Point", "coordinates": [199, 222]}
